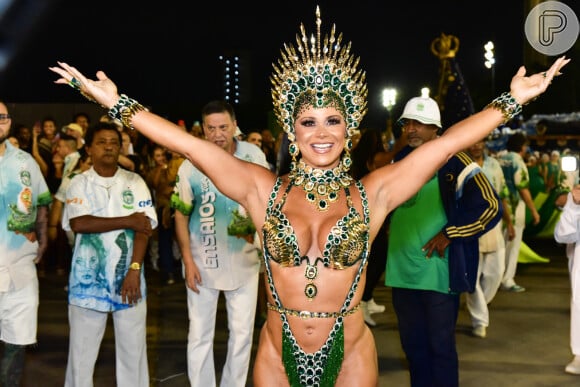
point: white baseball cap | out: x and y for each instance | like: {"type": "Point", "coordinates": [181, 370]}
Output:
{"type": "Point", "coordinates": [422, 109]}
{"type": "Point", "coordinates": [73, 126]}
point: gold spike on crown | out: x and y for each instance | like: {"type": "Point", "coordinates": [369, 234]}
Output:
{"type": "Point", "coordinates": [318, 75]}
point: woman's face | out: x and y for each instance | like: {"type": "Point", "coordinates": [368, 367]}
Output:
{"type": "Point", "coordinates": [87, 264]}
{"type": "Point", "coordinates": [320, 135]}
{"type": "Point", "coordinates": [49, 128]}
{"type": "Point", "coordinates": [159, 157]}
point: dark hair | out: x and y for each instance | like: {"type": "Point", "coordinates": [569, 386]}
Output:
{"type": "Point", "coordinates": [369, 144]}
{"type": "Point", "coordinates": [99, 126]}
{"type": "Point", "coordinates": [516, 141]}
{"type": "Point", "coordinates": [81, 114]}
{"type": "Point", "coordinates": [156, 146]}
{"type": "Point", "coordinates": [48, 118]}
{"type": "Point", "coordinates": [42, 123]}
{"type": "Point", "coordinates": [218, 106]}
{"type": "Point", "coordinates": [283, 159]}
{"type": "Point", "coordinates": [16, 130]}
{"type": "Point", "coordinates": [84, 156]}
{"type": "Point", "coordinates": [67, 137]}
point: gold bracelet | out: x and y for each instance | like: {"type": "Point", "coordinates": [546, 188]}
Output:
{"type": "Point", "coordinates": [507, 105]}
{"type": "Point", "coordinates": [125, 109]}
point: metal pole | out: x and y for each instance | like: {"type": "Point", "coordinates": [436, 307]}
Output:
{"type": "Point", "coordinates": [493, 81]}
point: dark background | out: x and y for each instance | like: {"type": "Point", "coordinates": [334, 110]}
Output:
{"type": "Point", "coordinates": [165, 54]}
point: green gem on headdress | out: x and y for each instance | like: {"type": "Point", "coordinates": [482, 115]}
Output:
{"type": "Point", "coordinates": [318, 75]}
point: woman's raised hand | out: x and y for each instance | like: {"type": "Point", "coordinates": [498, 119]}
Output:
{"type": "Point", "coordinates": [524, 89]}
{"type": "Point", "coordinates": [102, 90]}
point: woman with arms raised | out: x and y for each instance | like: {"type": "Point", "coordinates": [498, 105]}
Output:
{"type": "Point", "coordinates": [317, 222]}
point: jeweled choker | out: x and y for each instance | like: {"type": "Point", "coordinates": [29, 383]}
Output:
{"type": "Point", "coordinates": [322, 186]}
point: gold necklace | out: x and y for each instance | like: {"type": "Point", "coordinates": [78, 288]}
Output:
{"type": "Point", "coordinates": [322, 186]}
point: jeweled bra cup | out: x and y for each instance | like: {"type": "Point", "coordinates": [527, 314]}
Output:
{"type": "Point", "coordinates": [344, 244]}
{"type": "Point", "coordinates": [322, 367]}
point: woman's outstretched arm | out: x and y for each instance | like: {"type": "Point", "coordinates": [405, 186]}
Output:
{"type": "Point", "coordinates": [395, 183]}
{"type": "Point", "coordinates": [240, 180]}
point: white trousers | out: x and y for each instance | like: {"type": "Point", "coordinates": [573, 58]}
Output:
{"type": "Point", "coordinates": [87, 328]}
{"type": "Point", "coordinates": [512, 249]}
{"type": "Point", "coordinates": [574, 268]}
{"type": "Point", "coordinates": [489, 275]}
{"type": "Point", "coordinates": [202, 310]}
{"type": "Point", "coordinates": [19, 314]}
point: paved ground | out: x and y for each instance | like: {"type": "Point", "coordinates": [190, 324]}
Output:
{"type": "Point", "coordinates": [527, 343]}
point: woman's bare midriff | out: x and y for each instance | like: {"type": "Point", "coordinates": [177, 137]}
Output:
{"type": "Point", "coordinates": [312, 333]}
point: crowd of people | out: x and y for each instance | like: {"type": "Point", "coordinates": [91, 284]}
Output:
{"type": "Point", "coordinates": [96, 284]}
{"type": "Point", "coordinates": [291, 211]}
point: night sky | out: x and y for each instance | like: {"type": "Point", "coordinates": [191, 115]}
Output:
{"type": "Point", "coordinates": [166, 55]}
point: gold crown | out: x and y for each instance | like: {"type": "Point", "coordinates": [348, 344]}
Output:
{"type": "Point", "coordinates": [319, 76]}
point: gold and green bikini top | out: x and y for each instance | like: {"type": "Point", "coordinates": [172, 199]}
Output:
{"type": "Point", "coordinates": [344, 245]}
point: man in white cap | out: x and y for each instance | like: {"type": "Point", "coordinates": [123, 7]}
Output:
{"type": "Point", "coordinates": [75, 130]}
{"type": "Point", "coordinates": [433, 250]}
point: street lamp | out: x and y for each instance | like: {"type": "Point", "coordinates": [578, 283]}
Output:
{"type": "Point", "coordinates": [389, 100]}
{"type": "Point", "coordinates": [490, 63]}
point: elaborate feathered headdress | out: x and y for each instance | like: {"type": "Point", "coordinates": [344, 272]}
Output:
{"type": "Point", "coordinates": [318, 75]}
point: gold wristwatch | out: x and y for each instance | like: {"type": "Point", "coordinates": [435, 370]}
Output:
{"type": "Point", "coordinates": [135, 266]}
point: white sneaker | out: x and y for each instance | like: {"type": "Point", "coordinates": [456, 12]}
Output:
{"type": "Point", "coordinates": [373, 307]}
{"type": "Point", "coordinates": [574, 366]}
{"type": "Point", "coordinates": [366, 315]}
